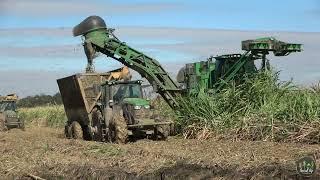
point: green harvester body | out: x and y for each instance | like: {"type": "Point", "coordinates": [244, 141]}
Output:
{"type": "Point", "coordinates": [204, 76]}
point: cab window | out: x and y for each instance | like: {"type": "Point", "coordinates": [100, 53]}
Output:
{"type": "Point", "coordinates": [5, 106]}
{"type": "Point", "coordinates": [121, 91]}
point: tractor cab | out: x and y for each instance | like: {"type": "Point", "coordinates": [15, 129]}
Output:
{"type": "Point", "coordinates": [8, 106]}
{"type": "Point", "coordinates": [125, 93]}
{"type": "Point", "coordinates": [140, 118]}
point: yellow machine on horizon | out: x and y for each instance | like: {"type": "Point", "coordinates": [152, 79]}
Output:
{"type": "Point", "coordinates": [9, 117]}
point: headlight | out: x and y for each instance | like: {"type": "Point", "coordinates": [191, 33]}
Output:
{"type": "Point", "coordinates": [147, 106]}
{"type": "Point", "coordinates": [137, 107]}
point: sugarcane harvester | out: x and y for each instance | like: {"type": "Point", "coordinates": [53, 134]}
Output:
{"type": "Point", "coordinates": [212, 75]}
{"type": "Point", "coordinates": [204, 76]}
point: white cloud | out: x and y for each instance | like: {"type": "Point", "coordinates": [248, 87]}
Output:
{"type": "Point", "coordinates": [57, 8]}
{"type": "Point", "coordinates": [196, 44]}
{"type": "Point", "coordinates": [55, 32]}
{"type": "Point", "coordinates": [26, 83]}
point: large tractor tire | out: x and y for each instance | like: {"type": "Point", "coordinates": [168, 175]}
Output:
{"type": "Point", "coordinates": [163, 131]}
{"type": "Point", "coordinates": [173, 130]}
{"type": "Point", "coordinates": [76, 130]}
{"type": "Point", "coordinates": [120, 128]}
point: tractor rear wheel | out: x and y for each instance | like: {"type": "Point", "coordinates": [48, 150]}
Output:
{"type": "Point", "coordinates": [120, 128]}
{"type": "Point", "coordinates": [76, 130]}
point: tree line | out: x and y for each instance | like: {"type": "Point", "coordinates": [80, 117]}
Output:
{"type": "Point", "coordinates": [40, 100]}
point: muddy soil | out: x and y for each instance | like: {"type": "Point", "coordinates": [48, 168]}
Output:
{"type": "Point", "coordinates": [44, 152]}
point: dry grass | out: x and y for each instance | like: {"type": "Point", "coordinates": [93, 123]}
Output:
{"type": "Point", "coordinates": [51, 115]}
{"type": "Point", "coordinates": [44, 152]}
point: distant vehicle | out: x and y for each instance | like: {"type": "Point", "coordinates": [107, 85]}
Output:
{"type": "Point", "coordinates": [9, 117]}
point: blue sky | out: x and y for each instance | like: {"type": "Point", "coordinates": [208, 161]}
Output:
{"type": "Point", "coordinates": [36, 43]}
{"type": "Point", "coordinates": [285, 15]}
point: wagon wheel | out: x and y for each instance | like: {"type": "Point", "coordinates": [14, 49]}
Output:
{"type": "Point", "coordinates": [76, 130]}
{"type": "Point", "coordinates": [67, 131]}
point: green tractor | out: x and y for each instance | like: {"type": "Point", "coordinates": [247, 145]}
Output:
{"type": "Point", "coordinates": [9, 117]}
{"type": "Point", "coordinates": [136, 116]}
{"type": "Point", "coordinates": [109, 111]}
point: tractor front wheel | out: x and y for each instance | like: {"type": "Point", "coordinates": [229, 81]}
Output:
{"type": "Point", "coordinates": [163, 132]}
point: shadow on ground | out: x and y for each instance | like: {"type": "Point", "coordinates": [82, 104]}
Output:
{"type": "Point", "coordinates": [180, 171]}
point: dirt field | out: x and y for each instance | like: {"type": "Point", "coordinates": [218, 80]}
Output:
{"type": "Point", "coordinates": [45, 153]}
